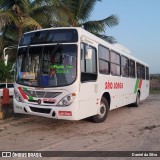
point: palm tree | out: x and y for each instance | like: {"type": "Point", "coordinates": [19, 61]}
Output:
{"type": "Point", "coordinates": [14, 17]}
{"type": "Point", "coordinates": [18, 16]}
{"type": "Point", "coordinates": [77, 13]}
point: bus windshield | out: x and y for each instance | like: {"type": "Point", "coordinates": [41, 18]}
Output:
{"type": "Point", "coordinates": [46, 66]}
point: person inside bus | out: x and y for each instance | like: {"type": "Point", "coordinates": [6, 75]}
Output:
{"type": "Point", "coordinates": [52, 75]}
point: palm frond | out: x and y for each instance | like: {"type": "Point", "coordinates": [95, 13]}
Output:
{"type": "Point", "coordinates": [60, 23]}
{"type": "Point", "coordinates": [25, 15]}
{"type": "Point", "coordinates": [10, 32]}
{"type": "Point", "coordinates": [85, 9]}
{"type": "Point", "coordinates": [6, 41]}
{"type": "Point", "coordinates": [7, 17]}
{"type": "Point", "coordinates": [6, 4]}
{"type": "Point", "coordinates": [30, 22]}
{"type": "Point", "coordinates": [101, 24]}
{"type": "Point", "coordinates": [24, 6]}
{"type": "Point", "coordinates": [110, 21]}
{"type": "Point", "coordinates": [109, 39]}
{"type": "Point", "coordinates": [41, 15]}
{"type": "Point", "coordinates": [93, 26]}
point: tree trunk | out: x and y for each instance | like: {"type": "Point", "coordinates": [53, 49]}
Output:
{"type": "Point", "coordinates": [20, 32]}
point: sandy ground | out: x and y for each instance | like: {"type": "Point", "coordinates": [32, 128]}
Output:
{"type": "Point", "coordinates": [126, 129]}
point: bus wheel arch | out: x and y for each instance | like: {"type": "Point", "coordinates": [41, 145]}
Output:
{"type": "Point", "coordinates": [107, 96]}
{"type": "Point", "coordinates": [103, 109]}
{"type": "Point", "coordinates": [137, 102]}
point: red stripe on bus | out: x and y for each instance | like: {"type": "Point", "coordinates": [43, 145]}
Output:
{"type": "Point", "coordinates": [140, 84]}
{"type": "Point", "coordinates": [22, 93]}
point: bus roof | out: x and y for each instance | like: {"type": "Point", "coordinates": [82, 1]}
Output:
{"type": "Point", "coordinates": [115, 47]}
{"type": "Point", "coordinates": [53, 28]}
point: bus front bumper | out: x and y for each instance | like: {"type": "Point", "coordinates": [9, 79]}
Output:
{"type": "Point", "coordinates": [68, 113]}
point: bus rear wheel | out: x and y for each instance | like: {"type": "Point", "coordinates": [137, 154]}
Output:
{"type": "Point", "coordinates": [103, 111]}
{"type": "Point", "coordinates": [137, 103]}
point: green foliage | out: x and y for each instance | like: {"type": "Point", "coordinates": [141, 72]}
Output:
{"type": "Point", "coordinates": [15, 18]}
{"type": "Point", "coordinates": [5, 72]}
{"type": "Point", "coordinates": [19, 16]}
{"type": "Point", "coordinates": [77, 14]}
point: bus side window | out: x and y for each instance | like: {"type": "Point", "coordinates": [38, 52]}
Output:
{"type": "Point", "coordinates": [147, 73]}
{"type": "Point", "coordinates": [104, 56]}
{"type": "Point", "coordinates": [140, 71]}
{"type": "Point", "coordinates": [88, 65]}
{"type": "Point", "coordinates": [143, 72]}
{"type": "Point", "coordinates": [115, 64]}
{"type": "Point", "coordinates": [132, 68]}
{"type": "Point", "coordinates": [124, 66]}
{"type": "Point", "coordinates": [138, 67]}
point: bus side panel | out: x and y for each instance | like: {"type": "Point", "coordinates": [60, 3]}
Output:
{"type": "Point", "coordinates": [121, 90]}
{"type": "Point", "coordinates": [144, 90]}
{"type": "Point", "coordinates": [129, 93]}
{"type": "Point", "coordinates": [87, 100]}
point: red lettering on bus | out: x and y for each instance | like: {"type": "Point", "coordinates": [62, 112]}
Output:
{"type": "Point", "coordinates": [115, 85]}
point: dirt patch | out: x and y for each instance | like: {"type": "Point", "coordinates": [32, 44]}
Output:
{"type": "Point", "coordinates": [151, 127]}
{"type": "Point", "coordinates": [126, 129]}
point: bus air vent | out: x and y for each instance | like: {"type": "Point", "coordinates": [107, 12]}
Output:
{"type": "Point", "coordinates": [40, 110]}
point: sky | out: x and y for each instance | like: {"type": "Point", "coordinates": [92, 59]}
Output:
{"type": "Point", "coordinates": [138, 28]}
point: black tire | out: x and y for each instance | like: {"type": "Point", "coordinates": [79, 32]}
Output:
{"type": "Point", "coordinates": [104, 109]}
{"type": "Point", "coordinates": [137, 103]}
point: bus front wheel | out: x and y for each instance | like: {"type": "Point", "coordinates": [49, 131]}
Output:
{"type": "Point", "coordinates": [103, 111]}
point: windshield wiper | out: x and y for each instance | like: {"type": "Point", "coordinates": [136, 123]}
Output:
{"type": "Point", "coordinates": [55, 49]}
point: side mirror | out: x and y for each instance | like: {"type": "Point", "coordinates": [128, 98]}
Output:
{"type": "Point", "coordinates": [89, 54]}
{"type": "Point", "coordinates": [13, 67]}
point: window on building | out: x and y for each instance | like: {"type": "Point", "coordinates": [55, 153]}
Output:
{"type": "Point", "coordinates": [103, 60]}
{"type": "Point", "coordinates": [115, 64]}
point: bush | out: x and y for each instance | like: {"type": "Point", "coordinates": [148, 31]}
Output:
{"type": "Point", "coordinates": [5, 71]}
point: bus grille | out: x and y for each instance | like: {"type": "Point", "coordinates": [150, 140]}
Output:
{"type": "Point", "coordinates": [40, 110]}
{"type": "Point", "coordinates": [40, 94]}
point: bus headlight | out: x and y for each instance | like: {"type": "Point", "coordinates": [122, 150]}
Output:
{"type": "Point", "coordinates": [67, 100]}
{"type": "Point", "coordinates": [18, 97]}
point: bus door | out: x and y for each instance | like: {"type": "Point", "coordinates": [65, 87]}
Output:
{"type": "Point", "coordinates": [88, 84]}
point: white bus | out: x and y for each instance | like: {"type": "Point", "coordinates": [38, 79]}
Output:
{"type": "Point", "coordinates": [69, 73]}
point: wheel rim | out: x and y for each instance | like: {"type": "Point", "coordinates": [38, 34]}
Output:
{"type": "Point", "coordinates": [102, 110]}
